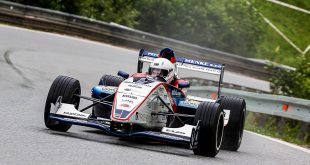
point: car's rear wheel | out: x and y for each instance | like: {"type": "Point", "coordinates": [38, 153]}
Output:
{"type": "Point", "coordinates": [66, 87]}
{"type": "Point", "coordinates": [234, 129]}
{"type": "Point", "coordinates": [101, 110]}
{"type": "Point", "coordinates": [110, 80]}
{"type": "Point", "coordinates": [207, 137]}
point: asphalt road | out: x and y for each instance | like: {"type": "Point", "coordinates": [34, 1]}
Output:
{"type": "Point", "coordinates": [29, 62]}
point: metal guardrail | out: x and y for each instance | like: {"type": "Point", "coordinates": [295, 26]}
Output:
{"type": "Point", "coordinates": [288, 107]}
{"type": "Point", "coordinates": [204, 82]}
{"type": "Point", "coordinates": [49, 20]}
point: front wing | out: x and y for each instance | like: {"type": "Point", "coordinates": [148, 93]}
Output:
{"type": "Point", "coordinates": [72, 116]}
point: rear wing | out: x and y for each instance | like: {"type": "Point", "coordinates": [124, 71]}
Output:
{"type": "Point", "coordinates": [186, 63]}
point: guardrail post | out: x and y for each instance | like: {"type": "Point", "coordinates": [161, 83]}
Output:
{"type": "Point", "coordinates": [304, 132]}
{"type": "Point", "coordinates": [280, 124]}
{"type": "Point", "coordinates": [262, 120]}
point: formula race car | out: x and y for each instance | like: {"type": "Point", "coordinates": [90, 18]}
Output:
{"type": "Point", "coordinates": [149, 107]}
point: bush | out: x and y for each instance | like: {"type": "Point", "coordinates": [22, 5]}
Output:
{"type": "Point", "coordinates": [293, 83]}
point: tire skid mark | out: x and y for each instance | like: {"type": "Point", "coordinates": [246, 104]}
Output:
{"type": "Point", "coordinates": [28, 83]}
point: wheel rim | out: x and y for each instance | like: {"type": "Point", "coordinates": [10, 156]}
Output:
{"type": "Point", "coordinates": [241, 126]}
{"type": "Point", "coordinates": [76, 99]}
{"type": "Point", "coordinates": [219, 131]}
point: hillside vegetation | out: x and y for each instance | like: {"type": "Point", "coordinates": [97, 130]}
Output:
{"type": "Point", "coordinates": [292, 23]}
{"type": "Point", "coordinates": [295, 25]}
{"type": "Point", "coordinates": [235, 26]}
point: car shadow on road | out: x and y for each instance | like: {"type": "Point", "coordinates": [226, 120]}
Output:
{"type": "Point", "coordinates": [137, 143]}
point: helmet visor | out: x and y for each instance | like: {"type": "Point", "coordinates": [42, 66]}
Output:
{"type": "Point", "coordinates": [158, 72]}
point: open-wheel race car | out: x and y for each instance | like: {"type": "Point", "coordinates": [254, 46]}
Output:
{"type": "Point", "coordinates": [149, 107]}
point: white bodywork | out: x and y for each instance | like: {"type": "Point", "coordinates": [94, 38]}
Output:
{"type": "Point", "coordinates": [186, 130]}
{"type": "Point", "coordinates": [67, 110]}
{"type": "Point", "coordinates": [138, 103]}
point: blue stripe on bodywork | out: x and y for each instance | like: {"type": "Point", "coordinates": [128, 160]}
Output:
{"type": "Point", "coordinates": [188, 104]}
{"type": "Point", "coordinates": [97, 91]}
{"type": "Point", "coordinates": [124, 114]}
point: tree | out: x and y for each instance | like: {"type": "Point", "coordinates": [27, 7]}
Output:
{"type": "Point", "coordinates": [293, 83]}
{"type": "Point", "coordinates": [230, 26]}
{"type": "Point", "coordinates": [118, 11]}
{"type": "Point", "coordinates": [68, 6]}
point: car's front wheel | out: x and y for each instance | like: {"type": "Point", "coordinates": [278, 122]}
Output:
{"type": "Point", "coordinates": [206, 139]}
{"type": "Point", "coordinates": [66, 87]}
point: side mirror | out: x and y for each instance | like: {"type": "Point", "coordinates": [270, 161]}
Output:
{"type": "Point", "coordinates": [123, 74]}
{"type": "Point", "coordinates": [183, 84]}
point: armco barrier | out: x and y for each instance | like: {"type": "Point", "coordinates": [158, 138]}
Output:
{"type": "Point", "coordinates": [44, 19]}
{"type": "Point", "coordinates": [288, 107]}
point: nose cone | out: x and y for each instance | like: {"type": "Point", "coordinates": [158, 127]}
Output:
{"type": "Point", "coordinates": [125, 105]}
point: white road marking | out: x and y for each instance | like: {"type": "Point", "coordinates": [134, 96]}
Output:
{"type": "Point", "coordinates": [281, 142]}
{"type": "Point", "coordinates": [307, 49]}
{"type": "Point", "coordinates": [289, 6]}
{"type": "Point", "coordinates": [281, 34]}
{"type": "Point", "coordinates": [278, 31]}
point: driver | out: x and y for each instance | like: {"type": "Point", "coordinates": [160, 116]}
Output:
{"type": "Point", "coordinates": [163, 68]}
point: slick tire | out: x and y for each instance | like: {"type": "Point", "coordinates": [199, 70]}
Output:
{"type": "Point", "coordinates": [110, 80]}
{"type": "Point", "coordinates": [66, 87]}
{"type": "Point", "coordinates": [101, 110]}
{"type": "Point", "coordinates": [233, 131]}
{"type": "Point", "coordinates": [210, 132]}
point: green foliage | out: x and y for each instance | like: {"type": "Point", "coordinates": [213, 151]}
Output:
{"type": "Point", "coordinates": [118, 11]}
{"type": "Point", "coordinates": [68, 6]}
{"type": "Point", "coordinates": [293, 83]}
{"type": "Point", "coordinates": [291, 23]}
{"type": "Point", "coordinates": [230, 26]}
{"type": "Point", "coordinates": [299, 3]}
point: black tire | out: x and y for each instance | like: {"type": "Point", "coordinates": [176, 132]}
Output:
{"type": "Point", "coordinates": [210, 132]}
{"type": "Point", "coordinates": [110, 80]}
{"type": "Point", "coordinates": [101, 110]}
{"type": "Point", "coordinates": [234, 129]}
{"type": "Point", "coordinates": [66, 87]}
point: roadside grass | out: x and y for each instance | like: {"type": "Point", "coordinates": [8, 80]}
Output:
{"type": "Point", "coordinates": [293, 24]}
{"type": "Point", "coordinates": [298, 3]}
{"type": "Point", "coordinates": [285, 129]}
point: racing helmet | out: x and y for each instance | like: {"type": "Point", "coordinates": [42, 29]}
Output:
{"type": "Point", "coordinates": [163, 68]}
{"type": "Point", "coordinates": [168, 54]}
